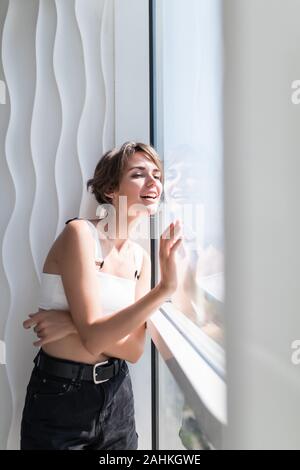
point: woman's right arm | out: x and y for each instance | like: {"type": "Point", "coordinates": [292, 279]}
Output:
{"type": "Point", "coordinates": [81, 286]}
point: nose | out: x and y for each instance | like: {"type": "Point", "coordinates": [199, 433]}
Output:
{"type": "Point", "coordinates": [151, 180]}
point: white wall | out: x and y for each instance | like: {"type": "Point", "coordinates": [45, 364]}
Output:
{"type": "Point", "coordinates": [58, 62]}
{"type": "Point", "coordinates": [262, 193]}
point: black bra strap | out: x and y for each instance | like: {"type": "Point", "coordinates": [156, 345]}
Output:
{"type": "Point", "coordinates": [136, 275]}
{"type": "Point", "coordinates": [74, 218]}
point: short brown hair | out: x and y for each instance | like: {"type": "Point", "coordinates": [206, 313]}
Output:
{"type": "Point", "coordinates": [110, 168]}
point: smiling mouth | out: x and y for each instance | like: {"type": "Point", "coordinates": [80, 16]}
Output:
{"type": "Point", "coordinates": [149, 198]}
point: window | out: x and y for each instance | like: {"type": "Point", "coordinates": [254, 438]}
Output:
{"type": "Point", "coordinates": [187, 118]}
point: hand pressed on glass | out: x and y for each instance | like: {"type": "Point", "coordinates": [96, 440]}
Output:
{"type": "Point", "coordinates": [170, 240]}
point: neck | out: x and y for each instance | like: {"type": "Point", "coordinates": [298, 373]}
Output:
{"type": "Point", "coordinates": [118, 231]}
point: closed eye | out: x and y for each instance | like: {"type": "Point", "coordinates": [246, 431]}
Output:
{"type": "Point", "coordinates": [137, 175]}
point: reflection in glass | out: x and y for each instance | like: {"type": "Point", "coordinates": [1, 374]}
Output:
{"type": "Point", "coordinates": [189, 136]}
{"type": "Point", "coordinates": [189, 195]}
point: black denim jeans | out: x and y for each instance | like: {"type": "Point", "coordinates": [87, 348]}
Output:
{"type": "Point", "coordinates": [79, 415]}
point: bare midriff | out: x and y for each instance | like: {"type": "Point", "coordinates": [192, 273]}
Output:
{"type": "Point", "coordinates": [71, 348]}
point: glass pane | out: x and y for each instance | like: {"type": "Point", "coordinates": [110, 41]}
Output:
{"type": "Point", "coordinates": [178, 427]}
{"type": "Point", "coordinates": [188, 127]}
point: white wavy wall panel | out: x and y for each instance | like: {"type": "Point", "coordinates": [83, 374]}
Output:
{"type": "Point", "coordinates": [7, 200]}
{"type": "Point", "coordinates": [70, 77]}
{"type": "Point", "coordinates": [18, 56]}
{"type": "Point", "coordinates": [57, 59]}
{"type": "Point", "coordinates": [96, 128]}
{"type": "Point", "coordinates": [45, 134]}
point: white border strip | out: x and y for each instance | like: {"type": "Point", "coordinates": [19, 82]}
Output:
{"type": "Point", "coordinates": [211, 351]}
{"type": "Point", "coordinates": [210, 388]}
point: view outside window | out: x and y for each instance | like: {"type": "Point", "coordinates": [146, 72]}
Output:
{"type": "Point", "coordinates": [178, 426]}
{"type": "Point", "coordinates": [188, 118]}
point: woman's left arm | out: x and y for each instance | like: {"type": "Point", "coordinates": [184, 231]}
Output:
{"type": "Point", "coordinates": [52, 325]}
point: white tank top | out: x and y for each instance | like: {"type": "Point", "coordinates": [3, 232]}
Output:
{"type": "Point", "coordinates": [116, 292]}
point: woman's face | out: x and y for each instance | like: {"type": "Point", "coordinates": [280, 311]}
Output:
{"type": "Point", "coordinates": [141, 178]}
{"type": "Point", "coordinates": [181, 183]}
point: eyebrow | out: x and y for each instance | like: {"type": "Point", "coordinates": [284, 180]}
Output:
{"type": "Point", "coordinates": [143, 168]}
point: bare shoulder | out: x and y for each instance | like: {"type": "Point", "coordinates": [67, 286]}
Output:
{"type": "Point", "coordinates": [75, 228]}
{"type": "Point", "coordinates": [76, 237]}
{"type": "Point", "coordinates": [74, 234]}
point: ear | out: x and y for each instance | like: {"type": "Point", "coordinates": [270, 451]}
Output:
{"type": "Point", "coordinates": [110, 195]}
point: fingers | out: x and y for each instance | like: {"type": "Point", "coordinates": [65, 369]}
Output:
{"type": "Point", "coordinates": [42, 338]}
{"type": "Point", "coordinates": [175, 246]}
{"type": "Point", "coordinates": [169, 245]}
{"type": "Point", "coordinates": [168, 239]}
{"type": "Point", "coordinates": [173, 228]}
{"type": "Point", "coordinates": [34, 318]}
{"type": "Point", "coordinates": [29, 323]}
{"type": "Point", "coordinates": [38, 331]}
{"type": "Point", "coordinates": [165, 233]}
{"type": "Point", "coordinates": [177, 237]}
{"type": "Point", "coordinates": [32, 321]}
{"type": "Point", "coordinates": [41, 342]}
{"type": "Point", "coordinates": [171, 232]}
{"type": "Point", "coordinates": [37, 320]}
{"type": "Point", "coordinates": [177, 230]}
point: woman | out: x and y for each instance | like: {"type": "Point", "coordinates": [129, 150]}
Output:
{"type": "Point", "coordinates": [80, 394]}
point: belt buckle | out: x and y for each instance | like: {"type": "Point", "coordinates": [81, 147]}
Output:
{"type": "Point", "coordinates": [95, 373]}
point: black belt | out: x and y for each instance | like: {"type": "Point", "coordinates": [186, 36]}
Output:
{"type": "Point", "coordinates": [97, 373]}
